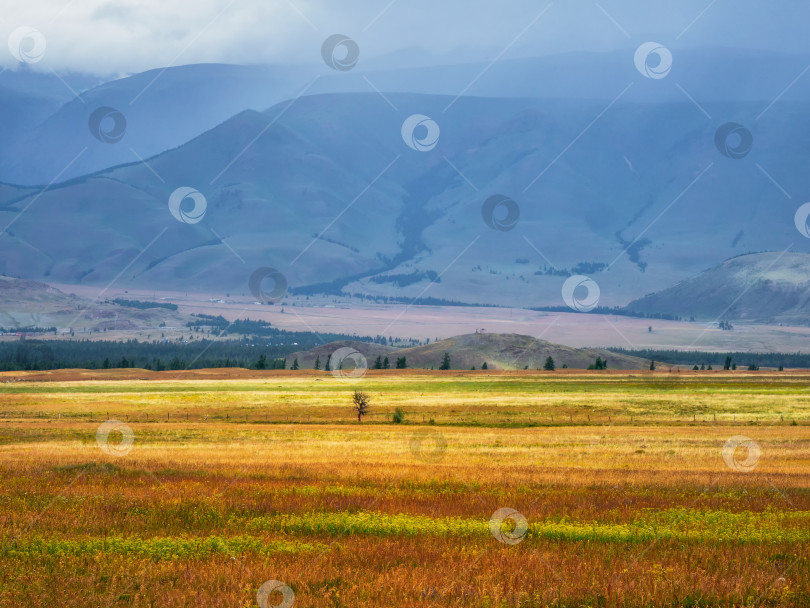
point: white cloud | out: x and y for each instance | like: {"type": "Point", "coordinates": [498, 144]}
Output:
{"type": "Point", "coordinates": [120, 36]}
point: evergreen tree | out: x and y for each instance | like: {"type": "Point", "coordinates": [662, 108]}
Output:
{"type": "Point", "coordinates": [262, 362]}
{"type": "Point", "coordinates": [317, 362]}
{"type": "Point", "coordinates": [445, 362]}
{"type": "Point", "coordinates": [485, 366]}
{"type": "Point", "coordinates": [652, 366]}
{"type": "Point", "coordinates": [386, 364]}
{"type": "Point", "coordinates": [378, 362]}
{"type": "Point", "coordinates": [402, 363]}
{"type": "Point", "coordinates": [295, 364]}
{"type": "Point", "coordinates": [549, 366]}
{"type": "Point", "coordinates": [598, 364]}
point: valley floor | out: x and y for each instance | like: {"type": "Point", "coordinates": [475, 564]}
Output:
{"type": "Point", "coordinates": [329, 314]}
{"type": "Point", "coordinates": [625, 489]}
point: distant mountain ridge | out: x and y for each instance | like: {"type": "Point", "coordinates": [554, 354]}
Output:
{"type": "Point", "coordinates": [47, 136]}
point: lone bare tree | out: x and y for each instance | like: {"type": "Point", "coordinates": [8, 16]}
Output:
{"type": "Point", "coordinates": [362, 403]}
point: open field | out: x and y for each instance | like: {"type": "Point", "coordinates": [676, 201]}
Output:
{"type": "Point", "coordinates": [215, 482]}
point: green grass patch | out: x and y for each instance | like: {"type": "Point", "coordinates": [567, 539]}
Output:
{"type": "Point", "coordinates": [159, 549]}
{"type": "Point", "coordinates": [672, 524]}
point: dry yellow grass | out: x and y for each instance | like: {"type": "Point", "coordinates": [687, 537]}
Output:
{"type": "Point", "coordinates": [202, 512]}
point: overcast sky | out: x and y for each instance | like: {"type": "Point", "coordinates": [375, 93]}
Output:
{"type": "Point", "coordinates": [126, 36]}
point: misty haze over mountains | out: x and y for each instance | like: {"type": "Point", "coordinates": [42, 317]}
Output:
{"type": "Point", "coordinates": [614, 174]}
{"type": "Point", "coordinates": [45, 126]}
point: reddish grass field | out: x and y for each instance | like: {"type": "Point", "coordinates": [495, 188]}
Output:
{"type": "Point", "coordinates": [212, 484]}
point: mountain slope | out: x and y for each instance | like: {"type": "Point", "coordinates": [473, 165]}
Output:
{"type": "Point", "coordinates": [28, 98]}
{"type": "Point", "coordinates": [162, 109]}
{"type": "Point", "coordinates": [34, 304]}
{"type": "Point", "coordinates": [772, 287]}
{"type": "Point", "coordinates": [331, 195]}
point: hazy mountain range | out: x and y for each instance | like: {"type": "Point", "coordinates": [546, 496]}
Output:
{"type": "Point", "coordinates": [615, 176]}
{"type": "Point", "coordinates": [45, 117]}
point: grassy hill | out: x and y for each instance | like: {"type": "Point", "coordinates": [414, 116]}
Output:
{"type": "Point", "coordinates": [498, 351]}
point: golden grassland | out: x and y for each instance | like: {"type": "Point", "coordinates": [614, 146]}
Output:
{"type": "Point", "coordinates": [228, 483]}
